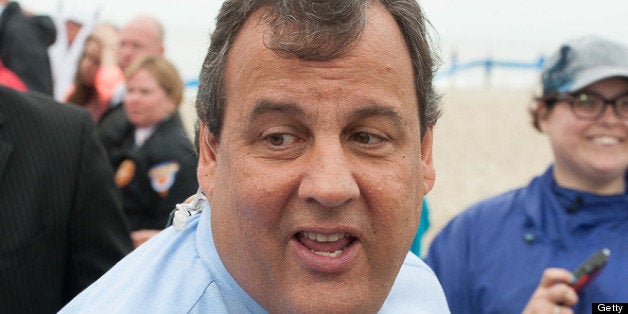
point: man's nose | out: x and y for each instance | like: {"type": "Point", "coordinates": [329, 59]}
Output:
{"type": "Point", "coordinates": [328, 178]}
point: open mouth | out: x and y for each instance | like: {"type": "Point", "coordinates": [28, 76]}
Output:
{"type": "Point", "coordinates": [328, 245]}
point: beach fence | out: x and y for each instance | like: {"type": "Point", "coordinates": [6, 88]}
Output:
{"type": "Point", "coordinates": [486, 72]}
{"type": "Point", "coordinates": [483, 73]}
{"type": "Point", "coordinates": [488, 66]}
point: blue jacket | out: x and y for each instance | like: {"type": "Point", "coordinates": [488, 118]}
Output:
{"type": "Point", "coordinates": [491, 257]}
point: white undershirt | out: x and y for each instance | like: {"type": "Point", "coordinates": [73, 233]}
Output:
{"type": "Point", "coordinates": [142, 134]}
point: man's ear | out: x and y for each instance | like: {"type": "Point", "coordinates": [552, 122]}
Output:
{"type": "Point", "coordinates": [207, 160]}
{"type": "Point", "coordinates": [427, 163]}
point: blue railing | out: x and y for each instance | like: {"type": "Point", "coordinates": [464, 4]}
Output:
{"type": "Point", "coordinates": [191, 83]}
{"type": "Point", "coordinates": [488, 64]}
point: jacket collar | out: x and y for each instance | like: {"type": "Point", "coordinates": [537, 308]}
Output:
{"type": "Point", "coordinates": [546, 206]}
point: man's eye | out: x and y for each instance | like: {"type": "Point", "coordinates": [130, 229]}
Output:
{"type": "Point", "coordinates": [366, 138]}
{"type": "Point", "coordinates": [279, 139]}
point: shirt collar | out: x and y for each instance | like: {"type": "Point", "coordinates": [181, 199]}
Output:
{"type": "Point", "coordinates": [206, 249]}
{"type": "Point", "coordinates": [142, 134]}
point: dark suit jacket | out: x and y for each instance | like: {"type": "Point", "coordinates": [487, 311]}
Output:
{"type": "Point", "coordinates": [61, 224]}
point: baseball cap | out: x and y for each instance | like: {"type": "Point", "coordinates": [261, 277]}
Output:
{"type": "Point", "coordinates": [583, 61]}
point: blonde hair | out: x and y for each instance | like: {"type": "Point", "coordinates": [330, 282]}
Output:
{"type": "Point", "coordinates": [164, 72]}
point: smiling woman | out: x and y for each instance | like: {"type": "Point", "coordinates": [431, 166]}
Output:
{"type": "Point", "coordinates": [531, 237]}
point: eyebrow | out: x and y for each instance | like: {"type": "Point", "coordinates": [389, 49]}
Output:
{"type": "Point", "coordinates": [291, 109]}
{"type": "Point", "coordinates": [266, 106]}
{"type": "Point", "coordinates": [377, 110]}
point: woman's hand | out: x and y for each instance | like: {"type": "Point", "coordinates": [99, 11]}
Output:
{"type": "Point", "coordinates": [554, 294]}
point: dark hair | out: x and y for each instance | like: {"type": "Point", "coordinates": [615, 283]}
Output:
{"type": "Point", "coordinates": [83, 91]}
{"type": "Point", "coordinates": [314, 30]}
{"type": "Point", "coordinates": [540, 107]}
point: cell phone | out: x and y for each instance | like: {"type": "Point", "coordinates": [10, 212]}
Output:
{"type": "Point", "coordinates": [589, 269]}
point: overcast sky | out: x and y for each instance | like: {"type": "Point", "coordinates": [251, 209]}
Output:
{"type": "Point", "coordinates": [537, 24]}
{"type": "Point", "coordinates": [508, 29]}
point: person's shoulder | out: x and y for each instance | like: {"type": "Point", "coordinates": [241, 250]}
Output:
{"type": "Point", "coordinates": [494, 206]}
{"type": "Point", "coordinates": [171, 134]}
{"type": "Point", "coordinates": [37, 106]}
{"type": "Point", "coordinates": [164, 275]}
{"type": "Point", "coordinates": [114, 117]}
{"type": "Point", "coordinates": [173, 127]}
{"type": "Point", "coordinates": [414, 267]}
{"type": "Point", "coordinates": [490, 213]}
{"type": "Point", "coordinates": [26, 101]}
{"type": "Point", "coordinates": [114, 126]}
{"type": "Point", "coordinates": [416, 290]}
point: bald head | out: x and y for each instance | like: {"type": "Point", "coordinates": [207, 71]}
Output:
{"type": "Point", "coordinates": [143, 35]}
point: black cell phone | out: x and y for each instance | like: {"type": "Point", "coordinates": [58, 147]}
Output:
{"type": "Point", "coordinates": [589, 269]}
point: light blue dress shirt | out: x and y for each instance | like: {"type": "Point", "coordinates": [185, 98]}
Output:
{"type": "Point", "coordinates": [181, 272]}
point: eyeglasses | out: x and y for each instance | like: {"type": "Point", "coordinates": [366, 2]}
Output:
{"type": "Point", "coordinates": [588, 106]}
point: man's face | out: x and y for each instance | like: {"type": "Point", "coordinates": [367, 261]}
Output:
{"type": "Point", "coordinates": [138, 38]}
{"type": "Point", "coordinates": [317, 181]}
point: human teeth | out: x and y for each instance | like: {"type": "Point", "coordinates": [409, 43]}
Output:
{"type": "Point", "coordinates": [334, 237]}
{"type": "Point", "coordinates": [324, 238]}
{"type": "Point", "coordinates": [606, 140]}
{"type": "Point", "coordinates": [328, 254]}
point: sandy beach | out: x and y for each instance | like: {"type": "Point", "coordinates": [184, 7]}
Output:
{"type": "Point", "coordinates": [484, 145]}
